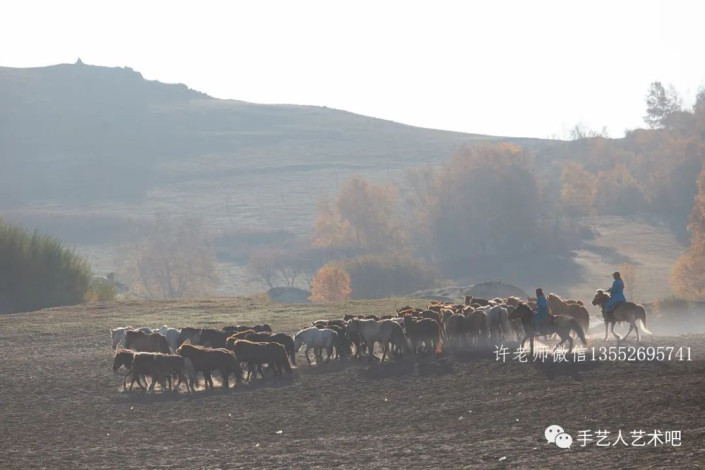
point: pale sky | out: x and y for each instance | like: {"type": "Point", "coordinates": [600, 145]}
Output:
{"type": "Point", "coordinates": [514, 68]}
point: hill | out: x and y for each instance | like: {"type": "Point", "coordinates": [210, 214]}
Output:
{"type": "Point", "coordinates": [88, 151]}
{"type": "Point", "coordinates": [80, 137]}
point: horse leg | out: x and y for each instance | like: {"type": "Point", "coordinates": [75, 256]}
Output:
{"type": "Point", "coordinates": [308, 348]}
{"type": "Point", "coordinates": [636, 328]}
{"type": "Point", "coordinates": [619, 338]}
{"type": "Point", "coordinates": [631, 327]}
{"type": "Point", "coordinates": [371, 348]}
{"type": "Point", "coordinates": [606, 326]}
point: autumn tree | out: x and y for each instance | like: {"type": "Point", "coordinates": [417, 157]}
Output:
{"type": "Point", "coordinates": [363, 216]}
{"type": "Point", "coordinates": [618, 192]}
{"type": "Point", "coordinates": [578, 190]}
{"type": "Point", "coordinates": [688, 275]}
{"type": "Point", "coordinates": [661, 103]}
{"type": "Point", "coordinates": [170, 257]}
{"type": "Point", "coordinates": [331, 284]}
{"type": "Point", "coordinates": [484, 202]}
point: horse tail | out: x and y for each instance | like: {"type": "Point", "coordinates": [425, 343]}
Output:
{"type": "Point", "coordinates": [290, 351]}
{"type": "Point", "coordinates": [575, 325]}
{"type": "Point", "coordinates": [285, 364]}
{"type": "Point", "coordinates": [506, 326]}
{"type": "Point", "coordinates": [439, 344]}
{"type": "Point", "coordinates": [641, 318]}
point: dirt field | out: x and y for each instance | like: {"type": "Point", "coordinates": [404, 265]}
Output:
{"type": "Point", "coordinates": [61, 406]}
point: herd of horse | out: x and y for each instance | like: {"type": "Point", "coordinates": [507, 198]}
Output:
{"type": "Point", "coordinates": [172, 357]}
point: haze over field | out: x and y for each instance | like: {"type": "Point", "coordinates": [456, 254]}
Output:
{"type": "Point", "coordinates": [93, 149]}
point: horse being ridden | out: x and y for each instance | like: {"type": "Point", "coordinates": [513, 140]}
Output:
{"type": "Point", "coordinates": [626, 311]}
{"type": "Point", "coordinates": [316, 339]}
{"type": "Point", "coordinates": [560, 324]}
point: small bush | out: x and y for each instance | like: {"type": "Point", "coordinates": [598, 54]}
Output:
{"type": "Point", "coordinates": [381, 276]}
{"type": "Point", "coordinates": [331, 284]}
{"type": "Point", "coordinates": [672, 305]}
{"type": "Point", "coordinates": [101, 289]}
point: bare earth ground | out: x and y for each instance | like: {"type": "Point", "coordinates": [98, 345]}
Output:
{"type": "Point", "coordinates": [61, 406]}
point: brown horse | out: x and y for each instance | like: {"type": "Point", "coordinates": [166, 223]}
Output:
{"type": "Point", "coordinates": [256, 354]}
{"type": "Point", "coordinates": [629, 312]}
{"type": "Point", "coordinates": [123, 358]}
{"type": "Point", "coordinates": [143, 342]}
{"type": "Point", "coordinates": [265, 337]}
{"type": "Point", "coordinates": [573, 309]}
{"type": "Point", "coordinates": [161, 367]}
{"type": "Point", "coordinates": [560, 324]}
{"type": "Point", "coordinates": [207, 360]}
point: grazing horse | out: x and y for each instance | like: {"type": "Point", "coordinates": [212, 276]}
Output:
{"type": "Point", "coordinates": [143, 342]}
{"type": "Point", "coordinates": [424, 331]}
{"type": "Point", "coordinates": [206, 360]}
{"type": "Point", "coordinates": [629, 312]}
{"type": "Point", "coordinates": [560, 324]}
{"type": "Point", "coordinates": [316, 339]}
{"type": "Point", "coordinates": [573, 309]}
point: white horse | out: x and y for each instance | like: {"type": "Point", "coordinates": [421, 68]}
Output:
{"type": "Point", "coordinates": [171, 335]}
{"type": "Point", "coordinates": [118, 334]}
{"type": "Point", "coordinates": [317, 339]}
{"type": "Point", "coordinates": [498, 322]}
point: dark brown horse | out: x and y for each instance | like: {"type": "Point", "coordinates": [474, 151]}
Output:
{"type": "Point", "coordinates": [424, 332]}
{"type": "Point", "coordinates": [560, 324]}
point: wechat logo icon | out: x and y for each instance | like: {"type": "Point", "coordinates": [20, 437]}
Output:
{"type": "Point", "coordinates": [555, 434]}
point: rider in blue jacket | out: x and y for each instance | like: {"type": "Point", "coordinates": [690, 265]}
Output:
{"type": "Point", "coordinates": [616, 293]}
{"type": "Point", "coordinates": [542, 312]}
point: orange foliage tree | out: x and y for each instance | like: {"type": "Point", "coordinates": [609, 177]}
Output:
{"type": "Point", "coordinates": [688, 275]}
{"type": "Point", "coordinates": [331, 284]}
{"type": "Point", "coordinates": [363, 216]}
{"type": "Point", "coordinates": [578, 189]}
